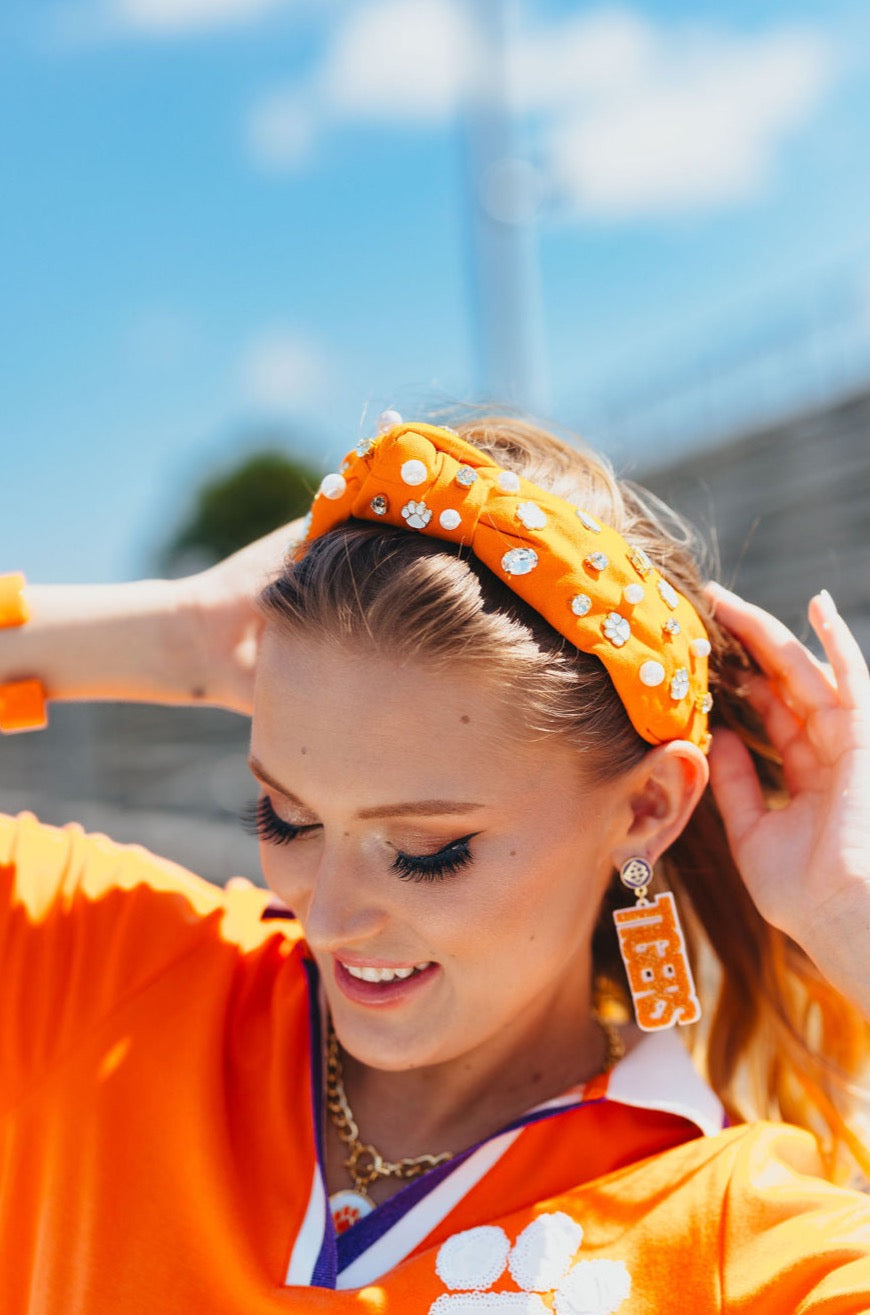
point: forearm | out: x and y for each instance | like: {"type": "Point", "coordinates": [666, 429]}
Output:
{"type": "Point", "coordinates": [135, 641]}
{"type": "Point", "coordinates": [155, 641]}
{"type": "Point", "coordinates": [839, 944]}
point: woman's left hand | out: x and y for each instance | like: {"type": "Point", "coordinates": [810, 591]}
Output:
{"type": "Point", "coordinates": [223, 638]}
{"type": "Point", "coordinates": [806, 863]}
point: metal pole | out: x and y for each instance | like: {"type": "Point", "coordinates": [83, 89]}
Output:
{"type": "Point", "coordinates": [503, 191]}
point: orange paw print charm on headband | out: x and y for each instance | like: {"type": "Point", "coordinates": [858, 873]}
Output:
{"type": "Point", "coordinates": [601, 593]}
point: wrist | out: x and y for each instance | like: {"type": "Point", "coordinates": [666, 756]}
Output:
{"type": "Point", "coordinates": [186, 646]}
{"type": "Point", "coordinates": [22, 700]}
{"type": "Point", "coordinates": [839, 940]}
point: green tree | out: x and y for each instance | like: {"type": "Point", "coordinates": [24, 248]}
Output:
{"type": "Point", "coordinates": [263, 491]}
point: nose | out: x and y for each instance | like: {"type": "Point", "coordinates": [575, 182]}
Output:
{"type": "Point", "coordinates": [343, 909]}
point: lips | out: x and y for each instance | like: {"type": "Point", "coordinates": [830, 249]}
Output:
{"type": "Point", "coordinates": [382, 984]}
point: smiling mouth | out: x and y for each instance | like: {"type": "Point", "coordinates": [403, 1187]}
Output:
{"type": "Point", "coordinates": [368, 984]}
{"type": "Point", "coordinates": [384, 974]}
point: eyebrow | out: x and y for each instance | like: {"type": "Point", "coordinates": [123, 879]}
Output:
{"type": "Point", "coordinates": [416, 808]}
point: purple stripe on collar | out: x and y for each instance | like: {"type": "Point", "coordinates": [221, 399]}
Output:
{"type": "Point", "coordinates": [277, 910]}
{"type": "Point", "coordinates": [358, 1239]}
{"type": "Point", "coordinates": [326, 1265]}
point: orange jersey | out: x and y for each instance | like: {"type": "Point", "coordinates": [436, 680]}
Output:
{"type": "Point", "coordinates": [160, 1114]}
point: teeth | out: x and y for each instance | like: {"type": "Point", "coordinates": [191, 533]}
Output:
{"type": "Point", "coordinates": [383, 974]}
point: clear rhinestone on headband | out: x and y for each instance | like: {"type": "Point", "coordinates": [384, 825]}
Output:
{"type": "Point", "coordinates": [379, 504]}
{"type": "Point", "coordinates": [519, 561]}
{"type": "Point", "coordinates": [704, 703]}
{"type": "Point", "coordinates": [580, 604]}
{"type": "Point", "coordinates": [668, 593]}
{"type": "Point", "coordinates": [599, 561]}
{"type": "Point", "coordinates": [671, 626]}
{"type": "Point", "coordinates": [679, 684]}
{"type": "Point", "coordinates": [365, 446]}
{"type": "Point", "coordinates": [639, 561]}
{"type": "Point", "coordinates": [587, 520]}
{"type": "Point", "coordinates": [466, 476]}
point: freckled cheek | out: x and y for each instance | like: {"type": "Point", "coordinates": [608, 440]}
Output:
{"type": "Point", "coordinates": [471, 922]}
{"type": "Point", "coordinates": [490, 958]}
{"type": "Point", "coordinates": [528, 905]}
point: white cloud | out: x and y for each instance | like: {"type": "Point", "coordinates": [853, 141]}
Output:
{"type": "Point", "coordinates": [603, 52]}
{"type": "Point", "coordinates": [698, 126]}
{"type": "Point", "coordinates": [74, 24]}
{"type": "Point", "coordinates": [280, 130]}
{"type": "Point", "coordinates": [394, 61]}
{"type": "Point", "coordinates": [173, 17]}
{"type": "Point", "coordinates": [282, 372]}
{"type": "Point", "coordinates": [399, 59]}
{"type": "Point", "coordinates": [631, 117]}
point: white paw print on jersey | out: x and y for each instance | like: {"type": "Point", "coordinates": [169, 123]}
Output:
{"type": "Point", "coordinates": [540, 1262]}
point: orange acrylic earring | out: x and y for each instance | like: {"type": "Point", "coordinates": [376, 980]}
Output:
{"type": "Point", "coordinates": [653, 950]}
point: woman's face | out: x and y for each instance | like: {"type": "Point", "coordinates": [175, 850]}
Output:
{"type": "Point", "coordinates": [424, 841]}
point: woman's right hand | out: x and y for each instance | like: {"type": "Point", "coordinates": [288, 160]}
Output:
{"type": "Point", "coordinates": [805, 861]}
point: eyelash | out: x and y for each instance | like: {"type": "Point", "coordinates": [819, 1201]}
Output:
{"type": "Point", "coordinates": [260, 819]}
{"type": "Point", "coordinates": [435, 867]}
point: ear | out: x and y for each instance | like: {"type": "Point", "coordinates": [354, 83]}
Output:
{"type": "Point", "coordinates": [662, 793]}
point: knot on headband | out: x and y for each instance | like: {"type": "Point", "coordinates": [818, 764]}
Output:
{"type": "Point", "coordinates": [602, 594]}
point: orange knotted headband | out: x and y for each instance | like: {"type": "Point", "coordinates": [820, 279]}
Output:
{"type": "Point", "coordinates": [584, 579]}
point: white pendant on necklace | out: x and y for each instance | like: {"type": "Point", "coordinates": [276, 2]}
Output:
{"type": "Point", "coordinates": [347, 1207]}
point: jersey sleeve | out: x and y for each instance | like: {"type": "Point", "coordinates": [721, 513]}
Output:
{"type": "Point", "coordinates": [790, 1240]}
{"type": "Point", "coordinates": [83, 923]}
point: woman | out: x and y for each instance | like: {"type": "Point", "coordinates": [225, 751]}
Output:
{"type": "Point", "coordinates": [480, 719]}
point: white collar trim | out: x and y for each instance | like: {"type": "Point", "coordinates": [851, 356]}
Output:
{"type": "Point", "coordinates": [658, 1074]}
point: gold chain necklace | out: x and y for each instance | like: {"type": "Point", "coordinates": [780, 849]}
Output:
{"type": "Point", "coordinates": [365, 1164]}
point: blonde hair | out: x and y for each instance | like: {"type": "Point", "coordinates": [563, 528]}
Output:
{"type": "Point", "coordinates": [778, 1041]}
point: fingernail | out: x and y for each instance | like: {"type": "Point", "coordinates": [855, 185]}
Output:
{"type": "Point", "coordinates": [827, 602]}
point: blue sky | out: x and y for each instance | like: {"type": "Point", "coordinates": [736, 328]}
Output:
{"type": "Point", "coordinates": [227, 217]}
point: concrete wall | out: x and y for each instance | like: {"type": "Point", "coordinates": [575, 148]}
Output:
{"type": "Point", "coordinates": [173, 779]}
{"type": "Point", "coordinates": [789, 508]}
